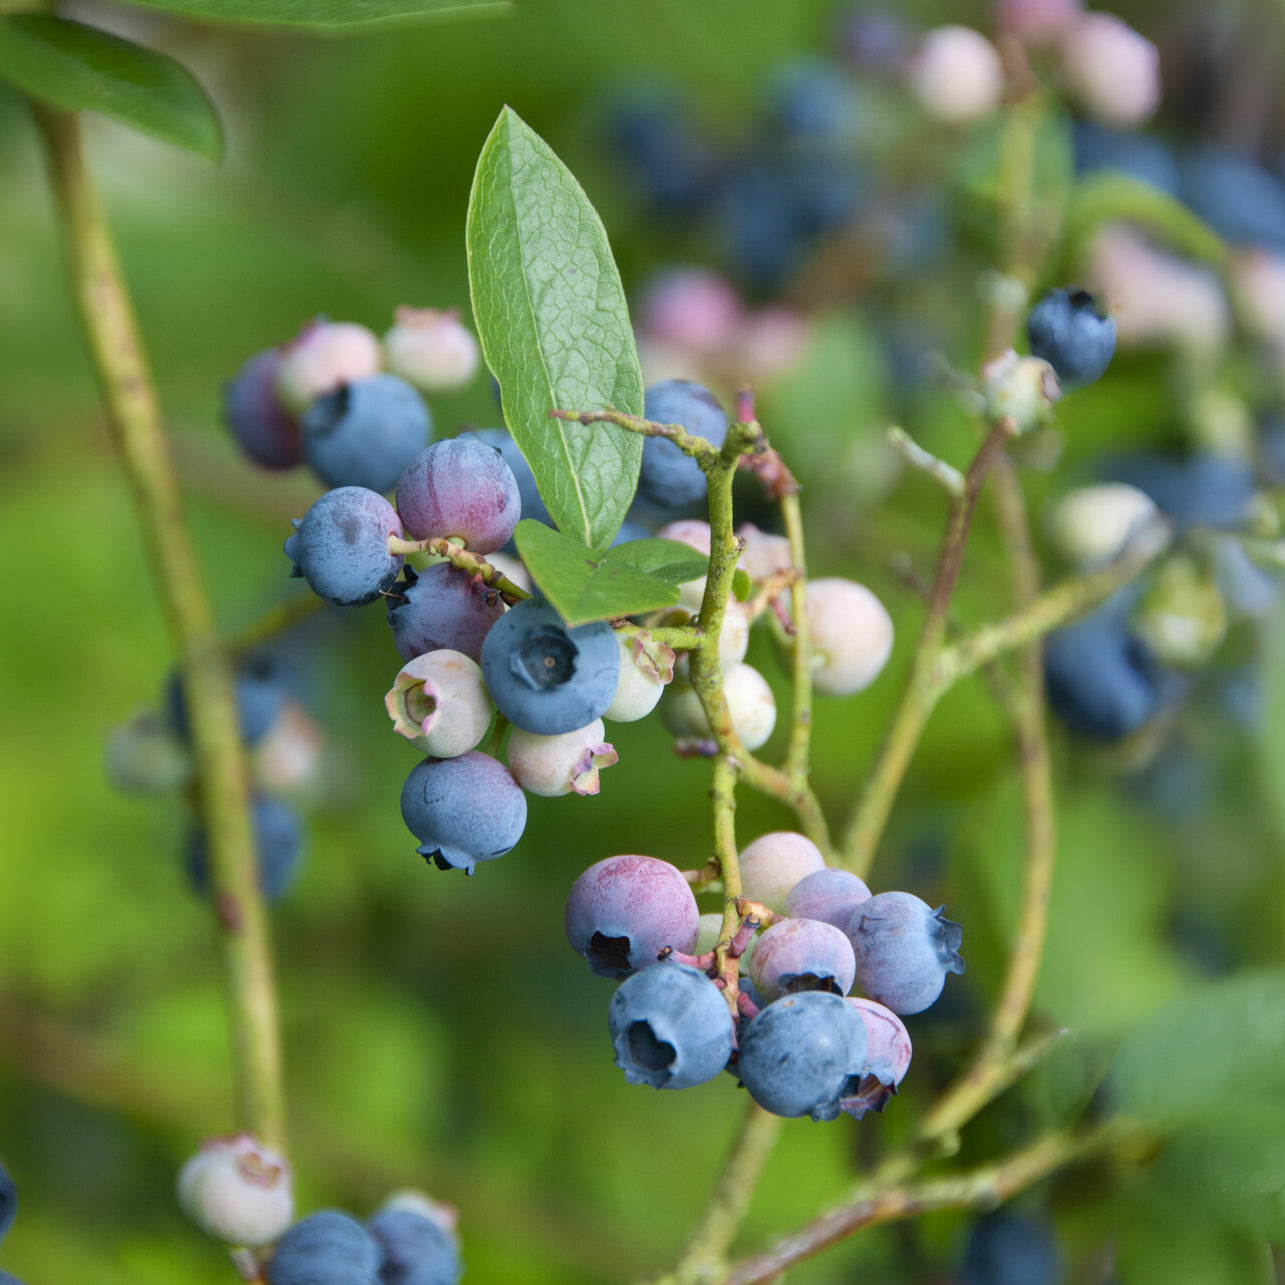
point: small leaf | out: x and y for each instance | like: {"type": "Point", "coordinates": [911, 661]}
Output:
{"type": "Point", "coordinates": [555, 328]}
{"type": "Point", "coordinates": [333, 16]}
{"type": "Point", "coordinates": [670, 560]}
{"type": "Point", "coordinates": [79, 68]}
{"type": "Point", "coordinates": [583, 585]}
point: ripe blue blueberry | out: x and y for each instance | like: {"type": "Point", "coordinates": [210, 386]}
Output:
{"type": "Point", "coordinates": [460, 488]}
{"type": "Point", "coordinates": [278, 844]}
{"type": "Point", "coordinates": [545, 677]}
{"type": "Point", "coordinates": [669, 478]}
{"type": "Point", "coordinates": [671, 164]}
{"type": "Point", "coordinates": [440, 608]}
{"type": "Point", "coordinates": [463, 810]}
{"type": "Point", "coordinates": [8, 1201]}
{"type": "Point", "coordinates": [416, 1250]}
{"type": "Point", "coordinates": [341, 546]}
{"type": "Point", "coordinates": [1102, 679]}
{"type": "Point", "coordinates": [1204, 490]}
{"type": "Point", "coordinates": [1066, 330]}
{"type": "Point", "coordinates": [259, 688]}
{"type": "Point", "coordinates": [803, 1054]}
{"type": "Point", "coordinates": [326, 1248]}
{"type": "Point", "coordinates": [1237, 197]}
{"type": "Point", "coordinates": [365, 434]}
{"type": "Point", "coordinates": [1008, 1249]}
{"type": "Point", "coordinates": [671, 1027]}
{"type": "Point", "coordinates": [904, 950]}
{"type": "Point", "coordinates": [266, 431]}
{"type": "Point", "coordinates": [623, 911]}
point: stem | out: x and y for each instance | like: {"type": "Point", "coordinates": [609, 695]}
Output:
{"type": "Point", "coordinates": [117, 354]}
{"type": "Point", "coordinates": [922, 691]}
{"type": "Point", "coordinates": [471, 563]}
{"type": "Point", "coordinates": [797, 756]}
{"type": "Point", "coordinates": [700, 449]}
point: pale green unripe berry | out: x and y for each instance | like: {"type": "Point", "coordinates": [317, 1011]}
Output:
{"type": "Point", "coordinates": [733, 640]}
{"type": "Point", "coordinates": [433, 350]}
{"type": "Point", "coordinates": [749, 702]}
{"type": "Point", "coordinates": [237, 1191]}
{"type": "Point", "coordinates": [563, 764]}
{"type": "Point", "coordinates": [1181, 616]}
{"type": "Point", "coordinates": [325, 356]}
{"type": "Point", "coordinates": [707, 935]}
{"type": "Point", "coordinates": [146, 756]}
{"type": "Point", "coordinates": [1091, 526]}
{"type": "Point", "coordinates": [645, 667]}
{"type": "Point", "coordinates": [1022, 389]}
{"type": "Point", "coordinates": [512, 569]}
{"type": "Point", "coordinates": [851, 635]}
{"type": "Point", "coordinates": [440, 703]}
{"type": "Point", "coordinates": [774, 863]}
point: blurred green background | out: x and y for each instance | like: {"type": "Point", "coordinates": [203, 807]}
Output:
{"type": "Point", "coordinates": [439, 1033]}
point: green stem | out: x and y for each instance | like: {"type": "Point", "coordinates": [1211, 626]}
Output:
{"type": "Point", "coordinates": [798, 755]}
{"type": "Point", "coordinates": [117, 353]}
{"type": "Point", "coordinates": [472, 563]}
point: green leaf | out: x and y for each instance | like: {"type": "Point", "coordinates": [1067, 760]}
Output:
{"type": "Point", "coordinates": [669, 560]}
{"type": "Point", "coordinates": [1110, 196]}
{"type": "Point", "coordinates": [328, 16]}
{"type": "Point", "coordinates": [79, 68]}
{"type": "Point", "coordinates": [742, 585]}
{"type": "Point", "coordinates": [555, 329]}
{"type": "Point", "coordinates": [586, 586]}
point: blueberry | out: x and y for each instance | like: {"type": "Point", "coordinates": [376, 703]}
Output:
{"type": "Point", "coordinates": [326, 1248]}
{"type": "Point", "coordinates": [555, 765]}
{"type": "Point", "coordinates": [266, 431]}
{"type": "Point", "coordinates": [278, 844]}
{"type": "Point", "coordinates": [773, 863]}
{"type": "Point", "coordinates": [1102, 679]}
{"type": "Point", "coordinates": [671, 165]}
{"type": "Point", "coordinates": [829, 895]}
{"type": "Point", "coordinates": [1098, 147]}
{"type": "Point", "coordinates": [814, 100]}
{"type": "Point", "coordinates": [432, 349]}
{"type": "Point", "coordinates": [415, 1249]}
{"type": "Point", "coordinates": [671, 1027]}
{"type": "Point", "coordinates": [341, 546]}
{"type": "Point", "coordinates": [440, 608]}
{"type": "Point", "coordinates": [365, 434]}
{"type": "Point", "coordinates": [1007, 1249]}
{"type": "Point", "coordinates": [759, 218]}
{"type": "Point", "coordinates": [463, 810]}
{"type": "Point", "coordinates": [324, 356]}
{"type": "Point", "coordinates": [1066, 330]}
{"type": "Point", "coordinates": [802, 955]}
{"type": "Point", "coordinates": [545, 677]}
{"type": "Point", "coordinates": [460, 488]}
{"type": "Point", "coordinates": [624, 910]}
{"type": "Point", "coordinates": [1203, 490]}
{"type": "Point", "coordinates": [1237, 197]}
{"type": "Point", "coordinates": [904, 950]}
{"type": "Point", "coordinates": [532, 505]}
{"type": "Point", "coordinates": [851, 634]}
{"type": "Point", "coordinates": [668, 477]}
{"type": "Point", "coordinates": [259, 689]}
{"type": "Point", "coordinates": [8, 1201]}
{"type": "Point", "coordinates": [802, 1054]}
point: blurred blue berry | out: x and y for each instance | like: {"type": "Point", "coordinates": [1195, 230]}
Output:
{"type": "Point", "coordinates": [278, 843]}
{"type": "Point", "coordinates": [416, 1250]}
{"type": "Point", "coordinates": [1066, 330]}
{"type": "Point", "coordinates": [326, 1248]}
{"type": "Point", "coordinates": [669, 478]}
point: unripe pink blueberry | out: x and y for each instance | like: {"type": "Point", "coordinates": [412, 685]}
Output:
{"type": "Point", "coordinates": [774, 863]}
{"type": "Point", "coordinates": [691, 308]}
{"type": "Point", "coordinates": [1112, 70]}
{"type": "Point", "coordinates": [696, 535]}
{"type": "Point", "coordinates": [623, 911]}
{"type": "Point", "coordinates": [646, 666]}
{"type": "Point", "coordinates": [325, 355]}
{"type": "Point", "coordinates": [460, 488]}
{"type": "Point", "coordinates": [440, 703]}
{"type": "Point", "coordinates": [1258, 279]}
{"type": "Point", "coordinates": [772, 339]}
{"type": "Point", "coordinates": [957, 74]}
{"type": "Point", "coordinates": [1037, 22]}
{"type": "Point", "coordinates": [802, 954]}
{"type": "Point", "coordinates": [888, 1049]}
{"type": "Point", "coordinates": [555, 765]}
{"type": "Point", "coordinates": [289, 756]}
{"type": "Point", "coordinates": [851, 635]}
{"type": "Point", "coordinates": [830, 895]}
{"type": "Point", "coordinates": [238, 1191]}
{"type": "Point", "coordinates": [765, 554]}
{"type": "Point", "coordinates": [433, 350]}
{"type": "Point", "coordinates": [749, 702]}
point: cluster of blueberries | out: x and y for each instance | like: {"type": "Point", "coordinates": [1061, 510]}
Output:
{"type": "Point", "coordinates": [240, 1192]}
{"type": "Point", "coordinates": [799, 1043]}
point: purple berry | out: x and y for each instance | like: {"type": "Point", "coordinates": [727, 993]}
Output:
{"type": "Point", "coordinates": [440, 608]}
{"type": "Point", "coordinates": [802, 955]}
{"type": "Point", "coordinates": [803, 1054]}
{"type": "Point", "coordinates": [266, 431]}
{"type": "Point", "coordinates": [416, 1249]}
{"type": "Point", "coordinates": [671, 1027]}
{"type": "Point", "coordinates": [887, 1058]}
{"type": "Point", "coordinates": [325, 355]}
{"type": "Point", "coordinates": [463, 810]}
{"type": "Point", "coordinates": [623, 911]}
{"type": "Point", "coordinates": [366, 433]}
{"type": "Point", "coordinates": [341, 546]}
{"type": "Point", "coordinates": [829, 895]}
{"type": "Point", "coordinates": [326, 1248]}
{"type": "Point", "coordinates": [461, 489]}
{"type": "Point", "coordinates": [904, 950]}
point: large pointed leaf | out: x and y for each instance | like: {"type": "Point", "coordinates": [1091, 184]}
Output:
{"type": "Point", "coordinates": [79, 68]}
{"type": "Point", "coordinates": [326, 15]}
{"type": "Point", "coordinates": [555, 329]}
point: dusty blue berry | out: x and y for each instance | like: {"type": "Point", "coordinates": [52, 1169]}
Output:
{"type": "Point", "coordinates": [904, 950]}
{"type": "Point", "coordinates": [266, 431]}
{"type": "Point", "coordinates": [341, 546]}
{"type": "Point", "coordinates": [326, 1248]}
{"type": "Point", "coordinates": [1067, 330]}
{"type": "Point", "coordinates": [278, 845]}
{"type": "Point", "coordinates": [669, 478]}
{"type": "Point", "coordinates": [416, 1250]}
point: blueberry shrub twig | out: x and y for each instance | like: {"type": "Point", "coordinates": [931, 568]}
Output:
{"type": "Point", "coordinates": [947, 476]}
{"type": "Point", "coordinates": [118, 358]}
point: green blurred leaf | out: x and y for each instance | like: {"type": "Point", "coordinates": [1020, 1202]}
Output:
{"type": "Point", "coordinates": [326, 15]}
{"type": "Point", "coordinates": [669, 560]}
{"type": "Point", "coordinates": [585, 586]}
{"type": "Point", "coordinates": [555, 329]}
{"type": "Point", "coordinates": [742, 585]}
{"type": "Point", "coordinates": [79, 68]}
{"type": "Point", "coordinates": [1109, 196]}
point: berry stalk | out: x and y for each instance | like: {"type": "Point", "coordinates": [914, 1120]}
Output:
{"type": "Point", "coordinates": [119, 361]}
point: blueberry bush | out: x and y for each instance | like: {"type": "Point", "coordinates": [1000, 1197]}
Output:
{"type": "Point", "coordinates": [807, 487]}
